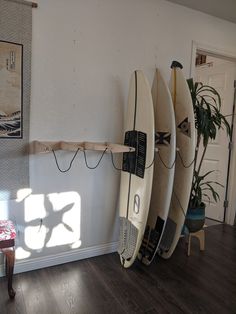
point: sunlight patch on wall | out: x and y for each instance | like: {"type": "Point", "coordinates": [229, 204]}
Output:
{"type": "Point", "coordinates": [61, 236]}
{"type": "Point", "coordinates": [35, 237]}
{"type": "Point", "coordinates": [67, 208]}
{"type": "Point", "coordinates": [21, 253]}
{"type": "Point", "coordinates": [52, 220]}
{"type": "Point", "coordinates": [76, 244]}
{"type": "Point", "coordinates": [22, 194]}
{"type": "Point", "coordinates": [34, 208]}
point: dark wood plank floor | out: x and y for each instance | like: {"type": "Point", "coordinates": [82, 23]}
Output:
{"type": "Point", "coordinates": [205, 282]}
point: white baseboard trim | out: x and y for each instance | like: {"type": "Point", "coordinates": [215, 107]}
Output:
{"type": "Point", "coordinates": [61, 258]}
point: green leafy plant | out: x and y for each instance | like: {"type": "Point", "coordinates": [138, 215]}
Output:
{"type": "Point", "coordinates": [208, 121]}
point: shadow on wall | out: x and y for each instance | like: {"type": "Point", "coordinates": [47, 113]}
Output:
{"type": "Point", "coordinates": [46, 222]}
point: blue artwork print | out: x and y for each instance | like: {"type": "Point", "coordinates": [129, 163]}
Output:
{"type": "Point", "coordinates": [10, 90]}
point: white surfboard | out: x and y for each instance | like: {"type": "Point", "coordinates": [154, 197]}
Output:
{"type": "Point", "coordinates": [164, 166]}
{"type": "Point", "coordinates": [137, 169]}
{"type": "Point", "coordinates": [185, 142]}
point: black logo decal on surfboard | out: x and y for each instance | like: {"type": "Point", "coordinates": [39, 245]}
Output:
{"type": "Point", "coordinates": [184, 127]}
{"type": "Point", "coordinates": [136, 203]}
{"type": "Point", "coordinates": [162, 138]}
{"type": "Point", "coordinates": [134, 162]}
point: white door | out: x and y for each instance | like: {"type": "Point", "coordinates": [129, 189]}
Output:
{"type": "Point", "coordinates": [219, 74]}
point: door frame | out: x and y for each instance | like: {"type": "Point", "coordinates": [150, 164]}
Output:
{"type": "Point", "coordinates": [230, 56]}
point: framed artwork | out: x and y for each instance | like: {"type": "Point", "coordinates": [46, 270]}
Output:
{"type": "Point", "coordinates": [11, 94]}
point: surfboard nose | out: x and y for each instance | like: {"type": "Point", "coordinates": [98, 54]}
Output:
{"type": "Point", "coordinates": [176, 64]}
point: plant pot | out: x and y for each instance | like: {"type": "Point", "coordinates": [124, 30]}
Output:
{"type": "Point", "coordinates": [195, 218]}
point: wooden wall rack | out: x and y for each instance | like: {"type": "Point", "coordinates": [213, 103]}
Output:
{"type": "Point", "coordinates": [47, 147]}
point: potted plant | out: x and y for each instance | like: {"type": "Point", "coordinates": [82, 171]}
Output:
{"type": "Point", "coordinates": [208, 121]}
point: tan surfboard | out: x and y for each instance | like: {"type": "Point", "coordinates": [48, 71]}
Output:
{"type": "Point", "coordinates": [185, 142]}
{"type": "Point", "coordinates": [164, 167]}
{"type": "Point", "coordinates": [137, 169]}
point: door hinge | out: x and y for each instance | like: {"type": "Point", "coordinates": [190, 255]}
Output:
{"type": "Point", "coordinates": [226, 203]}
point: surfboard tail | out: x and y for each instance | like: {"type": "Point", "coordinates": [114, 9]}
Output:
{"type": "Point", "coordinates": [151, 242]}
{"type": "Point", "coordinates": [128, 238]}
{"type": "Point", "coordinates": [168, 236]}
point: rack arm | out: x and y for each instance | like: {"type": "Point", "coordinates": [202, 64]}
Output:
{"type": "Point", "coordinates": [47, 147]}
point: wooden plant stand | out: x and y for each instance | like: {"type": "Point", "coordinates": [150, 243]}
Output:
{"type": "Point", "coordinates": [201, 237]}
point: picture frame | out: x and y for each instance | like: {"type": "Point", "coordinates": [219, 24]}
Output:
{"type": "Point", "coordinates": [11, 90]}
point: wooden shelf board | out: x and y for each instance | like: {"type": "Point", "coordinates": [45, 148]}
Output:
{"type": "Point", "coordinates": [47, 146]}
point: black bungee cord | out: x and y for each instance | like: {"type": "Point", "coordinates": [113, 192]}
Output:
{"type": "Point", "coordinates": [94, 167]}
{"type": "Point", "coordinates": [71, 162]}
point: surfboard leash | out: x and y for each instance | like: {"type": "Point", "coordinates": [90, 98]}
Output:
{"type": "Point", "coordinates": [71, 162]}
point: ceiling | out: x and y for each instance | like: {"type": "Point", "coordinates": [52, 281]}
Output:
{"type": "Point", "coordinates": [224, 9]}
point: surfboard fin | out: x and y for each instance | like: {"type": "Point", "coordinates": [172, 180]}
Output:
{"type": "Point", "coordinates": [168, 235]}
{"type": "Point", "coordinates": [149, 245]}
{"type": "Point", "coordinates": [128, 238]}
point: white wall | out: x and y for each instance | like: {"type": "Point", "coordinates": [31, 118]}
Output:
{"type": "Point", "coordinates": [83, 54]}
